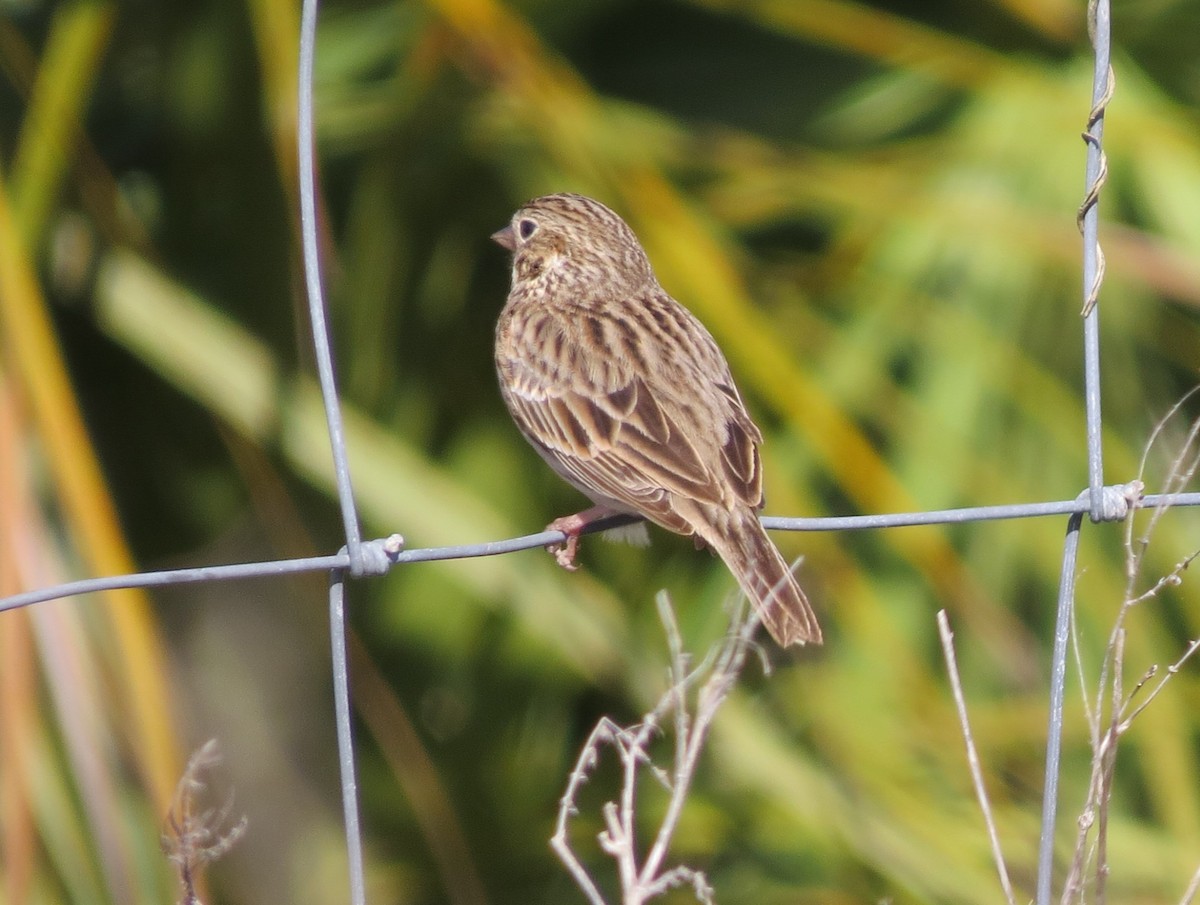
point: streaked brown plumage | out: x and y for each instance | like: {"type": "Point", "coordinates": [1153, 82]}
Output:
{"type": "Point", "coordinates": [626, 395]}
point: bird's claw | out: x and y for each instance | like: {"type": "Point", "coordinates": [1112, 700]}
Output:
{"type": "Point", "coordinates": [564, 552]}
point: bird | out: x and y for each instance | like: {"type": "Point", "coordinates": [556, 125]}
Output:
{"type": "Point", "coordinates": [626, 395]}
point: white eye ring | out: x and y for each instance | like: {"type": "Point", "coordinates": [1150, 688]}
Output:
{"type": "Point", "coordinates": [526, 228]}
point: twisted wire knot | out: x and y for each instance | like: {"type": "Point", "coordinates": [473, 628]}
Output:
{"type": "Point", "coordinates": [1116, 501]}
{"type": "Point", "coordinates": [376, 557]}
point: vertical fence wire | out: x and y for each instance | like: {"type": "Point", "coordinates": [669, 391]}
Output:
{"type": "Point", "coordinates": [1093, 256]}
{"type": "Point", "coordinates": [314, 285]}
{"type": "Point", "coordinates": [1058, 680]}
{"type": "Point", "coordinates": [1099, 28]}
{"type": "Point", "coordinates": [324, 359]}
{"type": "Point", "coordinates": [345, 735]}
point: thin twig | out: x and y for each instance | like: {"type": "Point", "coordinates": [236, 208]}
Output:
{"type": "Point", "coordinates": [691, 726]}
{"type": "Point", "coordinates": [981, 794]}
{"type": "Point", "coordinates": [1108, 767]}
{"type": "Point", "coordinates": [192, 837]}
{"type": "Point", "coordinates": [1153, 693]}
{"type": "Point", "coordinates": [604, 732]}
{"type": "Point", "coordinates": [1192, 888]}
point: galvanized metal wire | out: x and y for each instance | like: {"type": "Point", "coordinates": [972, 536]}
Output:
{"type": "Point", "coordinates": [383, 553]}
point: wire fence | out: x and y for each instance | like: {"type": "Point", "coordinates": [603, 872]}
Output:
{"type": "Point", "coordinates": [359, 558]}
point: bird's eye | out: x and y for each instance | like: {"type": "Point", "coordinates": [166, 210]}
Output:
{"type": "Point", "coordinates": [526, 228]}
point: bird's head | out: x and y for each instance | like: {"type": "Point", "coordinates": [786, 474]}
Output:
{"type": "Point", "coordinates": [572, 238]}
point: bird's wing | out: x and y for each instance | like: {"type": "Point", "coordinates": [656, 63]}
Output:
{"type": "Point", "coordinates": [637, 405]}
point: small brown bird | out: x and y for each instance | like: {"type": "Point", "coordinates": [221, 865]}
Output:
{"type": "Point", "coordinates": [626, 395]}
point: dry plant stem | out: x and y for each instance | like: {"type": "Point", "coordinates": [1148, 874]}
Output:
{"type": "Point", "coordinates": [1178, 477]}
{"type": "Point", "coordinates": [1192, 888]}
{"type": "Point", "coordinates": [689, 738]}
{"type": "Point", "coordinates": [605, 732]}
{"type": "Point", "coordinates": [960, 703]}
{"type": "Point", "coordinates": [1153, 693]}
{"type": "Point", "coordinates": [193, 838]}
{"type": "Point", "coordinates": [618, 839]}
{"type": "Point", "coordinates": [1107, 770]}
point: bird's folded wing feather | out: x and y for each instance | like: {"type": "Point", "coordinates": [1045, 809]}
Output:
{"type": "Point", "coordinates": [640, 438]}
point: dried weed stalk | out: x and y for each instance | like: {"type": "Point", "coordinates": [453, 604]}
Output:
{"type": "Point", "coordinates": [192, 837]}
{"type": "Point", "coordinates": [973, 761]}
{"type": "Point", "coordinates": [689, 705]}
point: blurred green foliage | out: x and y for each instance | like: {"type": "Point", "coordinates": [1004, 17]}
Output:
{"type": "Point", "coordinates": [871, 206]}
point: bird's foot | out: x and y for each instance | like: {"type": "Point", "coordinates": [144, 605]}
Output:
{"type": "Point", "coordinates": [564, 553]}
{"type": "Point", "coordinates": [572, 526]}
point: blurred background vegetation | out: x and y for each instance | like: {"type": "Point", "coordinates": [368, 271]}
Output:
{"type": "Point", "coordinates": [872, 207]}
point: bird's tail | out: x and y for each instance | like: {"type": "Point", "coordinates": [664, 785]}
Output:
{"type": "Point", "coordinates": [766, 579]}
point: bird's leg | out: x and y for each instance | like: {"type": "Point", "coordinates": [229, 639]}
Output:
{"type": "Point", "coordinates": [572, 526]}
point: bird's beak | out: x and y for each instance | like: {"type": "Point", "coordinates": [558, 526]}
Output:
{"type": "Point", "coordinates": [505, 238]}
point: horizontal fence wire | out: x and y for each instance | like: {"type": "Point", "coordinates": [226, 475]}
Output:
{"type": "Point", "coordinates": [360, 558]}
{"type": "Point", "coordinates": [383, 553]}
